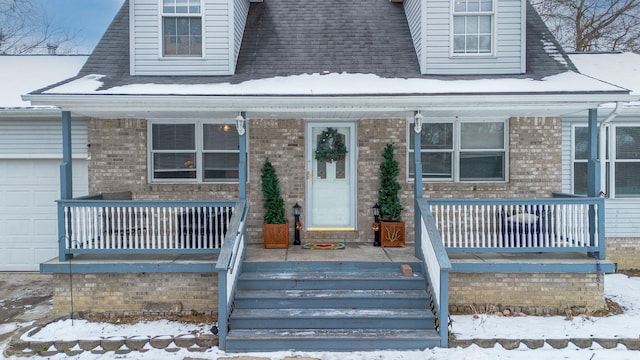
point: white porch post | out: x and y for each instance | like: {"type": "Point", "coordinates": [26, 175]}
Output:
{"type": "Point", "coordinates": [593, 164]}
{"type": "Point", "coordinates": [417, 188]}
{"type": "Point", "coordinates": [66, 184]}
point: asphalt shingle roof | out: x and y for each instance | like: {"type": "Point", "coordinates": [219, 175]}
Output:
{"type": "Point", "coordinates": [292, 37]}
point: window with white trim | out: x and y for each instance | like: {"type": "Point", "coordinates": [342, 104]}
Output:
{"type": "Point", "coordinates": [461, 151]}
{"type": "Point", "coordinates": [473, 27]}
{"type": "Point", "coordinates": [181, 28]}
{"type": "Point", "coordinates": [621, 163]}
{"type": "Point", "coordinates": [194, 152]}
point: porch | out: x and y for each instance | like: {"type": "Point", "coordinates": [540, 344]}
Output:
{"type": "Point", "coordinates": [477, 236]}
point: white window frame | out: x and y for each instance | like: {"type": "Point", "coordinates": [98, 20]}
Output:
{"type": "Point", "coordinates": [199, 151]}
{"type": "Point", "coordinates": [457, 149]}
{"type": "Point", "coordinates": [163, 15]}
{"type": "Point", "coordinates": [608, 166]}
{"type": "Point", "coordinates": [459, 14]}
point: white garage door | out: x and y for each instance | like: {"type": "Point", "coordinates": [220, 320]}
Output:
{"type": "Point", "coordinates": [28, 212]}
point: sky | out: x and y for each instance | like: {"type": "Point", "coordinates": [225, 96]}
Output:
{"type": "Point", "coordinates": [617, 287]}
{"type": "Point", "coordinates": [87, 19]}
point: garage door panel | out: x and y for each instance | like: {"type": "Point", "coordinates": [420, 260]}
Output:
{"type": "Point", "coordinates": [19, 256]}
{"type": "Point", "coordinates": [45, 227]}
{"type": "Point", "coordinates": [18, 199]}
{"type": "Point", "coordinates": [45, 253]}
{"type": "Point", "coordinates": [45, 198]}
{"type": "Point", "coordinates": [19, 227]}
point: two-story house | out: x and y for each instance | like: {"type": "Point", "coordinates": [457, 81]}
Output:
{"type": "Point", "coordinates": [188, 98]}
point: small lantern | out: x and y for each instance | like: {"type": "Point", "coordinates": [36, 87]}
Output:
{"type": "Point", "coordinates": [376, 225]}
{"type": "Point", "coordinates": [418, 118]}
{"type": "Point", "coordinates": [240, 120]}
{"type": "Point", "coordinates": [296, 209]}
{"type": "Point", "coordinates": [297, 224]}
{"type": "Point", "coordinates": [376, 211]}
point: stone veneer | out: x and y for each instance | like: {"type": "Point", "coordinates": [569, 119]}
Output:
{"type": "Point", "coordinates": [625, 251]}
{"type": "Point", "coordinates": [119, 162]}
{"type": "Point", "coordinates": [530, 293]}
{"type": "Point", "coordinates": [136, 293]}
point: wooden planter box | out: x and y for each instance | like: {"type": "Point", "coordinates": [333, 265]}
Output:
{"type": "Point", "coordinates": [392, 234]}
{"type": "Point", "coordinates": [276, 236]}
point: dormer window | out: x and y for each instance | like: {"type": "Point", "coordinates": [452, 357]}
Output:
{"type": "Point", "coordinates": [473, 27]}
{"type": "Point", "coordinates": [181, 28]}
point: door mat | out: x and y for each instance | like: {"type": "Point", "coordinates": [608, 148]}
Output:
{"type": "Point", "coordinates": [324, 246]}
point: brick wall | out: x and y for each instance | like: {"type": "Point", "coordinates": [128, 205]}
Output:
{"type": "Point", "coordinates": [135, 293]}
{"type": "Point", "coordinates": [624, 251]}
{"type": "Point", "coordinates": [535, 164]}
{"type": "Point", "coordinates": [531, 293]}
{"type": "Point", "coordinates": [282, 141]}
{"type": "Point", "coordinates": [119, 162]}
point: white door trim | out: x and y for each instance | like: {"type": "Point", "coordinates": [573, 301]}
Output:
{"type": "Point", "coordinates": [350, 222]}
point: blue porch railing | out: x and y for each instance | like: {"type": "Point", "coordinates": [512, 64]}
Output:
{"type": "Point", "coordinates": [521, 225]}
{"type": "Point", "coordinates": [229, 267]}
{"type": "Point", "coordinates": [436, 266]}
{"type": "Point", "coordinates": [91, 225]}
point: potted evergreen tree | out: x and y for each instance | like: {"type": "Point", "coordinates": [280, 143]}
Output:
{"type": "Point", "coordinates": [276, 229]}
{"type": "Point", "coordinates": [392, 229]}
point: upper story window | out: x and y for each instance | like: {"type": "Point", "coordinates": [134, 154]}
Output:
{"type": "Point", "coordinates": [473, 26]}
{"type": "Point", "coordinates": [621, 164]}
{"type": "Point", "coordinates": [462, 151]}
{"type": "Point", "coordinates": [196, 152]}
{"type": "Point", "coordinates": [181, 28]}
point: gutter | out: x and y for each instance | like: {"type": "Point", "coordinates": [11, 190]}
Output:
{"type": "Point", "coordinates": [602, 135]}
{"type": "Point", "coordinates": [512, 104]}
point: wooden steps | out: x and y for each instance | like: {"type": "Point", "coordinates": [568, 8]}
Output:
{"type": "Point", "coordinates": [319, 306]}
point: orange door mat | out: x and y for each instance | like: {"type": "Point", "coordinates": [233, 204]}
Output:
{"type": "Point", "coordinates": [324, 246]}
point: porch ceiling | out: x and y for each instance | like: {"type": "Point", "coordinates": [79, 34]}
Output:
{"type": "Point", "coordinates": [327, 107]}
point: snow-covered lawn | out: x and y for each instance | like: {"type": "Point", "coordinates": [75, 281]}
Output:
{"type": "Point", "coordinates": [620, 288]}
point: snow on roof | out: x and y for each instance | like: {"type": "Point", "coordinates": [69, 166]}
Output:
{"type": "Point", "coordinates": [347, 84]}
{"type": "Point", "coordinates": [22, 74]}
{"type": "Point", "coordinates": [622, 69]}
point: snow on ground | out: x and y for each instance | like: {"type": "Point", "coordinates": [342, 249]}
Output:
{"type": "Point", "coordinates": [620, 288]}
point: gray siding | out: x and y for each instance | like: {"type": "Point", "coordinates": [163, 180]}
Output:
{"type": "Point", "coordinates": [621, 215]}
{"type": "Point", "coordinates": [509, 41]}
{"type": "Point", "coordinates": [413, 11]}
{"type": "Point", "coordinates": [218, 57]}
{"type": "Point", "coordinates": [40, 138]}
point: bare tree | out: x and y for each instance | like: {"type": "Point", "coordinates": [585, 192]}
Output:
{"type": "Point", "coordinates": [25, 28]}
{"type": "Point", "coordinates": [593, 25]}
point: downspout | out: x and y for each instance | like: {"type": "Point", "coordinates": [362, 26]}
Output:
{"type": "Point", "coordinates": [602, 136]}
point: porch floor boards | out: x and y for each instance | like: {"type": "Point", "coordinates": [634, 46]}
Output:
{"type": "Point", "coordinates": [353, 252]}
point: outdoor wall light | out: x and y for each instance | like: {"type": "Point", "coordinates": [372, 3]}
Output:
{"type": "Point", "coordinates": [418, 118]}
{"type": "Point", "coordinates": [240, 120]}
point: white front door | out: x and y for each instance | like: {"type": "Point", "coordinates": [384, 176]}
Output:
{"type": "Point", "coordinates": [331, 184]}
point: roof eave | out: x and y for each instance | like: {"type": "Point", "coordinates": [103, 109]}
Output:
{"type": "Point", "coordinates": [435, 105]}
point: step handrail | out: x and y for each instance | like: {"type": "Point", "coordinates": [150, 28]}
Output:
{"type": "Point", "coordinates": [229, 267]}
{"type": "Point", "coordinates": [435, 265]}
